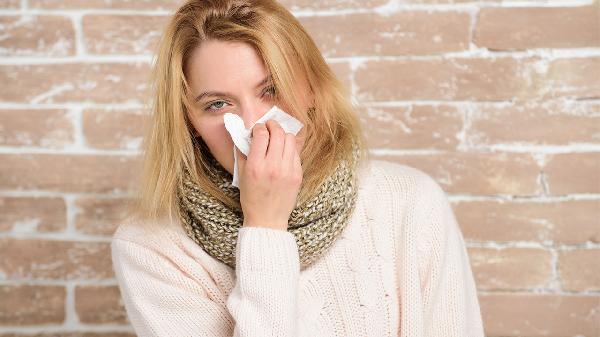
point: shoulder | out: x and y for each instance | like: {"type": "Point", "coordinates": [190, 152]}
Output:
{"type": "Point", "coordinates": [412, 200]}
{"type": "Point", "coordinates": [154, 234]}
{"type": "Point", "coordinates": [144, 244]}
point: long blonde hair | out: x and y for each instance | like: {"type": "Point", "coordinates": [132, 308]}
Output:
{"type": "Point", "coordinates": [169, 145]}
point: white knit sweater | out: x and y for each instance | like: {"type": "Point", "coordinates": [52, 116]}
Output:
{"type": "Point", "coordinates": [400, 268]}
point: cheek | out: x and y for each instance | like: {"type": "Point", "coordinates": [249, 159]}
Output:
{"type": "Point", "coordinates": [210, 128]}
{"type": "Point", "coordinates": [215, 135]}
{"type": "Point", "coordinates": [213, 132]}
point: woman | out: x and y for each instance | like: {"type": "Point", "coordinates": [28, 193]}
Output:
{"type": "Point", "coordinates": [318, 239]}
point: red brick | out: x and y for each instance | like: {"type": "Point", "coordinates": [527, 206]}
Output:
{"type": "Point", "coordinates": [343, 73]}
{"type": "Point", "coordinates": [477, 79]}
{"type": "Point", "coordinates": [572, 78]}
{"type": "Point", "coordinates": [412, 127]}
{"type": "Point", "coordinates": [75, 82]}
{"type": "Point", "coordinates": [579, 269]}
{"type": "Point", "coordinates": [47, 128]}
{"type": "Point", "coordinates": [69, 173]}
{"type": "Point", "coordinates": [510, 268]}
{"type": "Point", "coordinates": [32, 305]}
{"type": "Point", "coordinates": [114, 129]}
{"type": "Point", "coordinates": [573, 173]}
{"type": "Point", "coordinates": [330, 4]}
{"type": "Point", "coordinates": [32, 259]}
{"type": "Point", "coordinates": [34, 35]}
{"type": "Point", "coordinates": [401, 33]}
{"type": "Point", "coordinates": [99, 305]}
{"type": "Point", "coordinates": [535, 124]}
{"type": "Point", "coordinates": [476, 173]}
{"type": "Point", "coordinates": [113, 4]}
{"type": "Point", "coordinates": [10, 4]}
{"type": "Point", "coordinates": [100, 216]}
{"type": "Point", "coordinates": [562, 222]}
{"type": "Point", "coordinates": [537, 315]}
{"type": "Point", "coordinates": [122, 34]}
{"type": "Point", "coordinates": [27, 214]}
{"type": "Point", "coordinates": [173, 4]}
{"type": "Point", "coordinates": [538, 27]}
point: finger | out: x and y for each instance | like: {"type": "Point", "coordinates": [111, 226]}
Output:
{"type": "Point", "coordinates": [260, 142]}
{"type": "Point", "coordinates": [289, 149]}
{"type": "Point", "coordinates": [276, 140]}
{"type": "Point", "coordinates": [297, 163]}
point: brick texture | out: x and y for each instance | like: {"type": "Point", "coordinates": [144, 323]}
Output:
{"type": "Point", "coordinates": [37, 128]}
{"type": "Point", "coordinates": [535, 124]}
{"type": "Point", "coordinates": [569, 222]}
{"type": "Point", "coordinates": [573, 173]}
{"type": "Point", "coordinates": [87, 173]}
{"type": "Point", "coordinates": [122, 34]}
{"type": "Point", "coordinates": [33, 214]}
{"type": "Point", "coordinates": [100, 216]}
{"type": "Point", "coordinates": [31, 305]}
{"type": "Point", "coordinates": [38, 259]}
{"type": "Point", "coordinates": [499, 102]}
{"type": "Point", "coordinates": [402, 33]}
{"type": "Point", "coordinates": [579, 269]}
{"type": "Point", "coordinates": [511, 268]}
{"type": "Point", "coordinates": [10, 4]}
{"type": "Point", "coordinates": [538, 28]}
{"type": "Point", "coordinates": [113, 129]}
{"type": "Point", "coordinates": [413, 127]}
{"type": "Point", "coordinates": [37, 36]}
{"type": "Point", "coordinates": [74, 83]}
{"type": "Point", "coordinates": [99, 305]}
{"type": "Point", "coordinates": [528, 314]}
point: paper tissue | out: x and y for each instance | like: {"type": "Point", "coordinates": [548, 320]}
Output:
{"type": "Point", "coordinates": [241, 136]}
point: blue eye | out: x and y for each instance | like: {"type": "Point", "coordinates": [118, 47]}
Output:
{"type": "Point", "coordinates": [218, 105]}
{"type": "Point", "coordinates": [213, 106]}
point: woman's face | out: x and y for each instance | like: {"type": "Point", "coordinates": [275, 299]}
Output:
{"type": "Point", "coordinates": [229, 77]}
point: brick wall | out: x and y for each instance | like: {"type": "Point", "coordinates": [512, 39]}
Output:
{"type": "Point", "coordinates": [498, 101]}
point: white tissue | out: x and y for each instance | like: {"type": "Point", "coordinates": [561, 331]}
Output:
{"type": "Point", "coordinates": [241, 136]}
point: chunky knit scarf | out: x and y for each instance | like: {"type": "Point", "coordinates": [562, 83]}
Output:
{"type": "Point", "coordinates": [315, 224]}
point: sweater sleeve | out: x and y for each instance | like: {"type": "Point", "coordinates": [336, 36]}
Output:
{"type": "Point", "coordinates": [450, 303]}
{"type": "Point", "coordinates": [263, 301]}
{"type": "Point", "coordinates": [162, 300]}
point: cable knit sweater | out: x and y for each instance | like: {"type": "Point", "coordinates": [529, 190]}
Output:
{"type": "Point", "coordinates": [400, 268]}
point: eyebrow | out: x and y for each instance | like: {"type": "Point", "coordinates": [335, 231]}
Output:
{"type": "Point", "coordinates": [217, 93]}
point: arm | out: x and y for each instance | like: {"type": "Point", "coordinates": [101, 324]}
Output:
{"type": "Point", "coordinates": [450, 303]}
{"type": "Point", "coordinates": [263, 301]}
{"type": "Point", "coordinates": [161, 300]}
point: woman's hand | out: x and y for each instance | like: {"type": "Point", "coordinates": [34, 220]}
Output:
{"type": "Point", "coordinates": [270, 177]}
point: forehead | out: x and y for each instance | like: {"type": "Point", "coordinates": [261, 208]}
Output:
{"type": "Point", "coordinates": [220, 65]}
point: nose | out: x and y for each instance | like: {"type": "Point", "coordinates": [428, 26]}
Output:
{"type": "Point", "coordinates": [253, 110]}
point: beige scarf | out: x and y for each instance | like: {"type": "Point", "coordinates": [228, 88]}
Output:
{"type": "Point", "coordinates": [315, 224]}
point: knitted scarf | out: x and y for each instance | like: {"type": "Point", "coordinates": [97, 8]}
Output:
{"type": "Point", "coordinates": [315, 224]}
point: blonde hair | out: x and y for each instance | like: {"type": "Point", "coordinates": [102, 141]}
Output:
{"type": "Point", "coordinates": [287, 51]}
